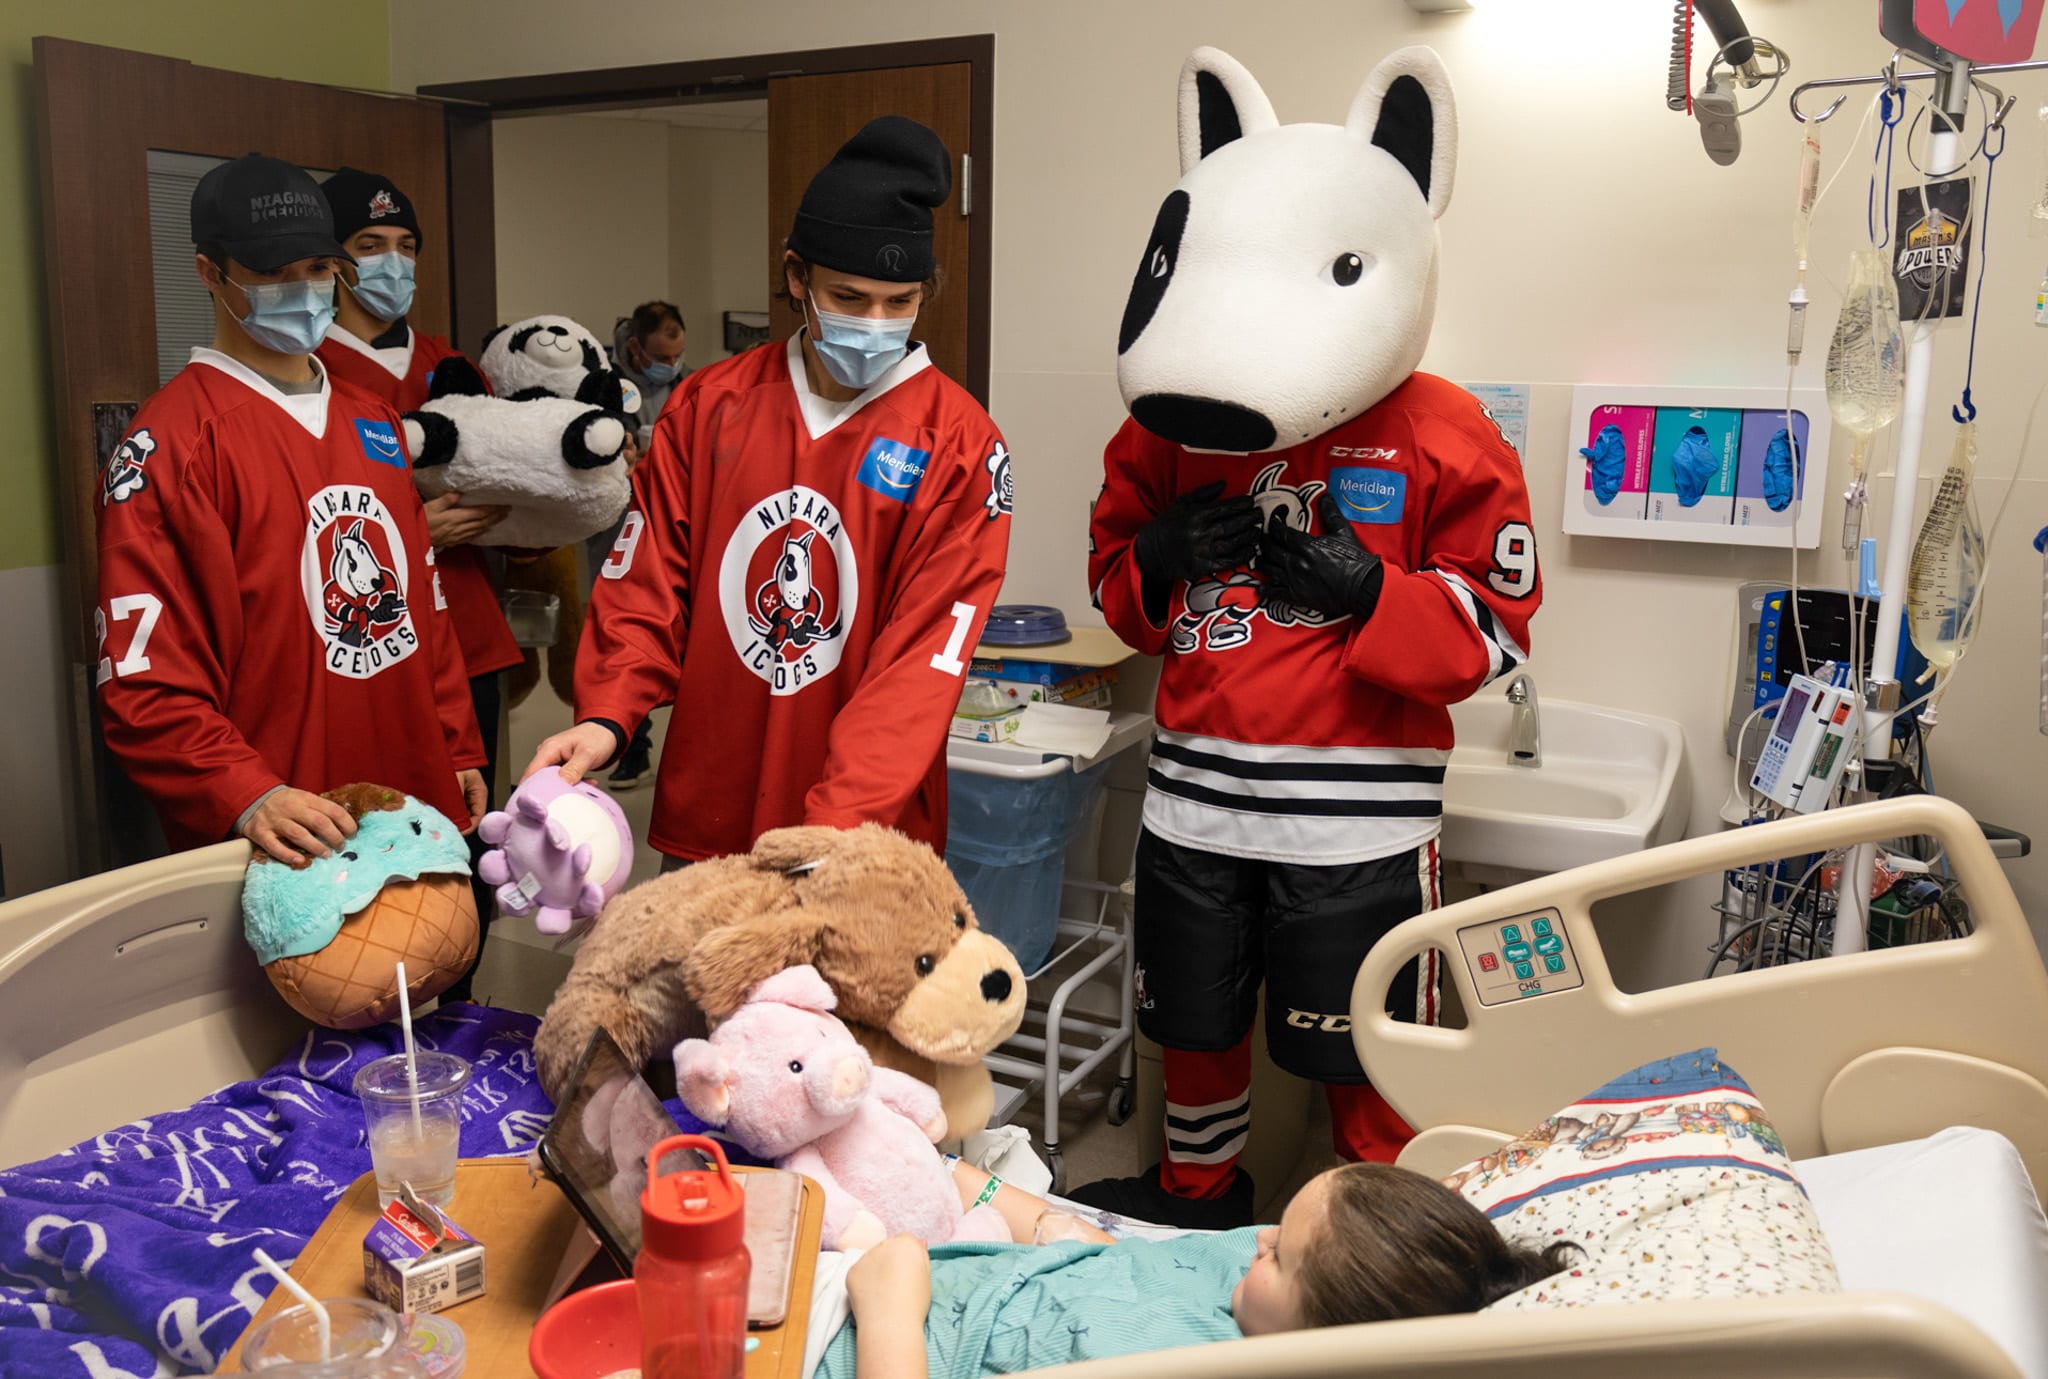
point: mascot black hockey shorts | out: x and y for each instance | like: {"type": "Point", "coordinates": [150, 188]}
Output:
{"type": "Point", "coordinates": [1211, 928]}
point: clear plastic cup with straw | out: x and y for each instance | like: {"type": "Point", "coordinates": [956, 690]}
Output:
{"type": "Point", "coordinates": [340, 1337]}
{"type": "Point", "coordinates": [412, 1110]}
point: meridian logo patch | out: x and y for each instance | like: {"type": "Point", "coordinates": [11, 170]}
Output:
{"type": "Point", "coordinates": [893, 469]}
{"type": "Point", "coordinates": [1371, 496]}
{"type": "Point", "coordinates": [380, 442]}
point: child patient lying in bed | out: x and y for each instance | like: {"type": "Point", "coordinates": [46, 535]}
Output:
{"type": "Point", "coordinates": [1361, 1243]}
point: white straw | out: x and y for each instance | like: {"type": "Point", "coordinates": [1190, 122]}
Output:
{"type": "Point", "coordinates": [412, 1060]}
{"type": "Point", "coordinates": [299, 1292]}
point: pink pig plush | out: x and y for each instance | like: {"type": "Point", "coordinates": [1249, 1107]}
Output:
{"type": "Point", "coordinates": [785, 1078]}
{"type": "Point", "coordinates": [558, 851]}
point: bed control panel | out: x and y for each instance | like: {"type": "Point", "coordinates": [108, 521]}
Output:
{"type": "Point", "coordinates": [1514, 959]}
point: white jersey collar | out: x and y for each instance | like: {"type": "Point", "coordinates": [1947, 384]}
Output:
{"type": "Point", "coordinates": [822, 414]}
{"type": "Point", "coordinates": [307, 409]}
{"type": "Point", "coordinates": [395, 360]}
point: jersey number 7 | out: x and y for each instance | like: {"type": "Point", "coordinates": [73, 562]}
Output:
{"type": "Point", "coordinates": [150, 607]}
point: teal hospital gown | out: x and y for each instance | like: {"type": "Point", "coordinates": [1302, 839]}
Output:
{"type": "Point", "coordinates": [1001, 1309]}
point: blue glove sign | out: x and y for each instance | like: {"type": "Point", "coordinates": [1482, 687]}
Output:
{"type": "Point", "coordinates": [1693, 467]}
{"type": "Point", "coordinates": [1606, 458]}
{"type": "Point", "coordinates": [1778, 472]}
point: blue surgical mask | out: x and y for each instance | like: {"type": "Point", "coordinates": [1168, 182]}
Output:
{"type": "Point", "coordinates": [657, 371]}
{"type": "Point", "coordinates": [858, 350]}
{"type": "Point", "coordinates": [384, 285]}
{"type": "Point", "coordinates": [289, 317]}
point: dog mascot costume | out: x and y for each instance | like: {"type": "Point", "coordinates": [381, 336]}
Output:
{"type": "Point", "coordinates": [1327, 548]}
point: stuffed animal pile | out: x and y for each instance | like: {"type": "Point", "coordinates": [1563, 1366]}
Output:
{"type": "Point", "coordinates": [877, 914]}
{"type": "Point", "coordinates": [785, 1079]}
{"type": "Point", "coordinates": [544, 439]}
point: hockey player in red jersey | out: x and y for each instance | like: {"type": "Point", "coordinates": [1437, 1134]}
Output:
{"type": "Point", "coordinates": [270, 625]}
{"type": "Point", "coordinates": [815, 538]}
{"type": "Point", "coordinates": [374, 346]}
{"type": "Point", "coordinates": [1328, 548]}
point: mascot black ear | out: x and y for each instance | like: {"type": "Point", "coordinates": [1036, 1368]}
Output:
{"type": "Point", "coordinates": [1219, 102]}
{"type": "Point", "coordinates": [1406, 108]}
{"type": "Point", "coordinates": [496, 331]}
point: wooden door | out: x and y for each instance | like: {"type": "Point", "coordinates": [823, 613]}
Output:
{"type": "Point", "coordinates": [809, 117]}
{"type": "Point", "coordinates": [100, 114]}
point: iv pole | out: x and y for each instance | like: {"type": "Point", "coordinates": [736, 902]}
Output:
{"type": "Point", "coordinates": [1952, 84]}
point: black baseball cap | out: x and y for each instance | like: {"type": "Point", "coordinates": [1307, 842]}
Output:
{"type": "Point", "coordinates": [361, 199]}
{"type": "Point", "coordinates": [264, 212]}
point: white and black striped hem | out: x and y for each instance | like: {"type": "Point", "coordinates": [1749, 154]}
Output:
{"type": "Point", "coordinates": [1210, 1134]}
{"type": "Point", "coordinates": [1311, 806]}
{"type": "Point", "coordinates": [1503, 652]}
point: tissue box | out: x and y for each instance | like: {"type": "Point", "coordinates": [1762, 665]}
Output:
{"type": "Point", "coordinates": [999, 729]}
{"type": "Point", "coordinates": [416, 1260]}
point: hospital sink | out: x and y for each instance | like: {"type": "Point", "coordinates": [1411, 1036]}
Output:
{"type": "Point", "coordinates": [1611, 783]}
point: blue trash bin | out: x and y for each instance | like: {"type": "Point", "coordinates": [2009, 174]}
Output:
{"type": "Point", "coordinates": [1006, 842]}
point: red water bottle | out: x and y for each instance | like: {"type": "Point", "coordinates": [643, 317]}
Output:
{"type": "Point", "coordinates": [691, 1275]}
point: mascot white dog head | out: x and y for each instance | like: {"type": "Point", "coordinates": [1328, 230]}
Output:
{"type": "Point", "coordinates": [1291, 275]}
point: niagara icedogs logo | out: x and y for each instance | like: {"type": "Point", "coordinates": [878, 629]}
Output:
{"type": "Point", "coordinates": [382, 205]}
{"type": "Point", "coordinates": [788, 588]}
{"type": "Point", "coordinates": [353, 571]}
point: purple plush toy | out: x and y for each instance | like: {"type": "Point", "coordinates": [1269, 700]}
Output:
{"type": "Point", "coordinates": [558, 851]}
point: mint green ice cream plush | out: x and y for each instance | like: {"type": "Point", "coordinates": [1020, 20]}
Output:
{"type": "Point", "coordinates": [290, 912]}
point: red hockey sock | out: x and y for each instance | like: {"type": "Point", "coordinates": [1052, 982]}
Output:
{"type": "Point", "coordinates": [1208, 1116]}
{"type": "Point", "coordinates": [1362, 1125]}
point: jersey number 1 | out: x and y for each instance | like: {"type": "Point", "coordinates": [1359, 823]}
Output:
{"type": "Point", "coordinates": [151, 608]}
{"type": "Point", "coordinates": [949, 660]}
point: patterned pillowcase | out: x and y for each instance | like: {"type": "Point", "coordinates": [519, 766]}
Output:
{"type": "Point", "coordinates": [1672, 1182]}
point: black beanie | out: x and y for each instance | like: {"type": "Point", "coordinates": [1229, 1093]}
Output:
{"type": "Point", "coordinates": [869, 211]}
{"type": "Point", "coordinates": [362, 199]}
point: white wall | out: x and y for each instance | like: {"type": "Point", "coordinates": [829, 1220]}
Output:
{"type": "Point", "coordinates": [1590, 240]}
{"type": "Point", "coordinates": [718, 231]}
{"type": "Point", "coordinates": [582, 216]}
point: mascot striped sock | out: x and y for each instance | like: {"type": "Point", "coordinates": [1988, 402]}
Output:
{"type": "Point", "coordinates": [1208, 1115]}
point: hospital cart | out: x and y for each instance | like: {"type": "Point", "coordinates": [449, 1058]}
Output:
{"type": "Point", "coordinates": [1057, 1047]}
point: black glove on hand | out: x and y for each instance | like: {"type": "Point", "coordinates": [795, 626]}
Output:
{"type": "Point", "coordinates": [1330, 573]}
{"type": "Point", "coordinates": [1195, 535]}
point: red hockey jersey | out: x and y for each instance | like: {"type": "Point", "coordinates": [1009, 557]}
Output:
{"type": "Point", "coordinates": [399, 376]}
{"type": "Point", "coordinates": [805, 580]}
{"type": "Point", "coordinates": [1295, 737]}
{"type": "Point", "coordinates": [267, 609]}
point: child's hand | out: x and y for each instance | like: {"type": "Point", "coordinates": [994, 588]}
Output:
{"type": "Point", "coordinates": [894, 1278]}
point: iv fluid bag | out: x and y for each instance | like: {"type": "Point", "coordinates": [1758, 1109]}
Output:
{"type": "Point", "coordinates": [1948, 562]}
{"type": "Point", "coordinates": [1867, 357]}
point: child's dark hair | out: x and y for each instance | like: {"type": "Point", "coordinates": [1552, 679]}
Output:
{"type": "Point", "coordinates": [1396, 1244]}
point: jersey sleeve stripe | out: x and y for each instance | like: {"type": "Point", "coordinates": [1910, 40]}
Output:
{"type": "Point", "coordinates": [1503, 652]}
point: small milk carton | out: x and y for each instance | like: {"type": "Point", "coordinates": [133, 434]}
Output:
{"type": "Point", "coordinates": [416, 1260]}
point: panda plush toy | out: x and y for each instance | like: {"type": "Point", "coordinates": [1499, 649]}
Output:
{"type": "Point", "coordinates": [543, 439]}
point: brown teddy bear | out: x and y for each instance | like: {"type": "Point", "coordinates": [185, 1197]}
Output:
{"type": "Point", "coordinates": [923, 988]}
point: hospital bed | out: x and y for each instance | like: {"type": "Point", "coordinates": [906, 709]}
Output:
{"type": "Point", "coordinates": [1859, 1060]}
{"type": "Point", "coordinates": [125, 994]}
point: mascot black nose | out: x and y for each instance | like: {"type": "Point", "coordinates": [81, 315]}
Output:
{"type": "Point", "coordinates": [995, 986]}
{"type": "Point", "coordinates": [1203, 422]}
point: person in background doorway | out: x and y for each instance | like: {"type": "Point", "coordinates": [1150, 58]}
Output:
{"type": "Point", "coordinates": [372, 345]}
{"type": "Point", "coordinates": [648, 347]}
{"type": "Point", "coordinates": [815, 538]}
{"type": "Point", "coordinates": [267, 613]}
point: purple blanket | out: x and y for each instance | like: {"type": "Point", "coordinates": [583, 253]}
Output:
{"type": "Point", "coordinates": [128, 1256]}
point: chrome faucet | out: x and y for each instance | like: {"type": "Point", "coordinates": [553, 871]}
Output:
{"type": "Point", "coordinates": [1525, 732]}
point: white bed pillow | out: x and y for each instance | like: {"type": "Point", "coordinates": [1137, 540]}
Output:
{"type": "Point", "coordinates": [1672, 1182]}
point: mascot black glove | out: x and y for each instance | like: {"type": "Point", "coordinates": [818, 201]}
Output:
{"type": "Point", "coordinates": [1197, 535]}
{"type": "Point", "coordinates": [1193, 536]}
{"type": "Point", "coordinates": [1330, 573]}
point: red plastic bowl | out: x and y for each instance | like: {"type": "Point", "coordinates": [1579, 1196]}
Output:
{"type": "Point", "coordinates": [588, 1335]}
